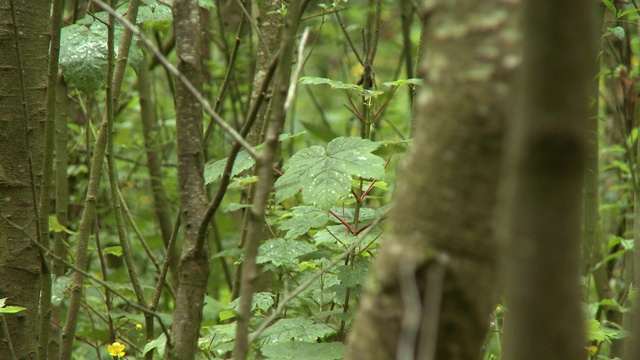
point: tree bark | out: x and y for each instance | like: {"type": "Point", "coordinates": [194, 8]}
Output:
{"type": "Point", "coordinates": [161, 204]}
{"type": "Point", "coordinates": [269, 24]}
{"type": "Point", "coordinates": [255, 233]}
{"type": "Point", "coordinates": [194, 262]}
{"type": "Point", "coordinates": [543, 185]}
{"type": "Point", "coordinates": [435, 281]}
{"type": "Point", "coordinates": [21, 95]}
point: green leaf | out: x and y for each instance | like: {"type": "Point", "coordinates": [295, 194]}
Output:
{"type": "Point", "coordinates": [83, 57]}
{"type": "Point", "coordinates": [262, 300]}
{"type": "Point", "coordinates": [633, 11]}
{"type": "Point", "coordinates": [352, 276]}
{"type": "Point", "coordinates": [337, 234]}
{"type": "Point", "coordinates": [599, 333]}
{"type": "Point", "coordinates": [281, 252]}
{"type": "Point", "coordinates": [610, 6]}
{"type": "Point", "coordinates": [617, 31]}
{"type": "Point", "coordinates": [335, 84]}
{"type": "Point", "coordinates": [348, 214]}
{"type": "Point", "coordinates": [206, 4]}
{"type": "Point", "coordinates": [212, 171]}
{"type": "Point", "coordinates": [235, 207]}
{"type": "Point", "coordinates": [284, 137]}
{"type": "Point", "coordinates": [614, 304]}
{"type": "Point", "coordinates": [594, 331]}
{"type": "Point", "coordinates": [155, 16]}
{"type": "Point", "coordinates": [55, 226]}
{"type": "Point", "coordinates": [224, 332]}
{"type": "Point", "coordinates": [240, 182]}
{"type": "Point", "coordinates": [113, 250]}
{"type": "Point", "coordinates": [302, 219]}
{"type": "Point", "coordinates": [157, 343]}
{"type": "Point", "coordinates": [59, 289]}
{"type": "Point", "coordinates": [9, 309]}
{"type": "Point", "coordinates": [83, 54]}
{"type": "Point", "coordinates": [413, 81]}
{"type": "Point", "coordinates": [227, 314]}
{"type": "Point", "coordinates": [324, 175]}
{"type": "Point", "coordinates": [296, 329]}
{"type": "Point", "coordinates": [304, 351]}
{"type": "Point", "coordinates": [610, 257]}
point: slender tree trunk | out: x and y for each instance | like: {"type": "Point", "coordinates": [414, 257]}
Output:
{"type": "Point", "coordinates": [23, 79]}
{"type": "Point", "coordinates": [435, 281]}
{"type": "Point", "coordinates": [62, 210]}
{"type": "Point", "coordinates": [250, 270]}
{"type": "Point", "coordinates": [268, 43]}
{"type": "Point", "coordinates": [543, 184]}
{"type": "Point", "coordinates": [194, 261]}
{"type": "Point", "coordinates": [269, 24]}
{"type": "Point", "coordinates": [86, 226]}
{"type": "Point", "coordinates": [162, 207]}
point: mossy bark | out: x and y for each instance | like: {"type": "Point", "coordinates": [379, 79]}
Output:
{"type": "Point", "coordinates": [19, 257]}
{"type": "Point", "coordinates": [441, 240]}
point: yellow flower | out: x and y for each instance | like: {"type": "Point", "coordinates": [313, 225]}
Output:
{"type": "Point", "coordinates": [593, 350]}
{"type": "Point", "coordinates": [138, 326]}
{"type": "Point", "coordinates": [116, 349]}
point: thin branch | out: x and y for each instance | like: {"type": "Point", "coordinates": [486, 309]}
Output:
{"type": "Point", "coordinates": [296, 74]}
{"type": "Point", "coordinates": [227, 75]}
{"type": "Point", "coordinates": [226, 174]}
{"type": "Point", "coordinates": [346, 34]}
{"type": "Point", "coordinates": [255, 26]}
{"type": "Point", "coordinates": [343, 221]}
{"type": "Point", "coordinates": [7, 337]}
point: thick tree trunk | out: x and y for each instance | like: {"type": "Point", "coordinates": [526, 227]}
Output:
{"type": "Point", "coordinates": [21, 96]}
{"type": "Point", "coordinates": [194, 262]}
{"type": "Point", "coordinates": [434, 283]}
{"type": "Point", "coordinates": [543, 187]}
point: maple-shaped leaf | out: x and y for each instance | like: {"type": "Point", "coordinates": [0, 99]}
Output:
{"type": "Point", "coordinates": [296, 329]}
{"type": "Point", "coordinates": [282, 252]}
{"type": "Point", "coordinates": [324, 174]}
{"type": "Point", "coordinates": [302, 219]}
{"type": "Point", "coordinates": [296, 350]}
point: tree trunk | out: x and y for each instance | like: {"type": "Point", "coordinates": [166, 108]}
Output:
{"type": "Point", "coordinates": [434, 283]}
{"type": "Point", "coordinates": [161, 205]}
{"type": "Point", "coordinates": [194, 261]}
{"type": "Point", "coordinates": [269, 24]}
{"type": "Point", "coordinates": [543, 184]}
{"type": "Point", "coordinates": [21, 95]}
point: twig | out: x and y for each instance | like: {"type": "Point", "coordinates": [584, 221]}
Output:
{"type": "Point", "coordinates": [296, 74]}
{"type": "Point", "coordinates": [346, 34]}
{"type": "Point", "coordinates": [228, 168]}
{"type": "Point", "coordinates": [7, 337]}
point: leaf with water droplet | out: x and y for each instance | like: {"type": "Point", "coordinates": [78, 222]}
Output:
{"type": "Point", "coordinates": [324, 174]}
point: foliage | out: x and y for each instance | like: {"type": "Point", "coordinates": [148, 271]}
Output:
{"type": "Point", "coordinates": [335, 178]}
{"type": "Point", "coordinates": [8, 309]}
{"type": "Point", "coordinates": [333, 188]}
{"type": "Point", "coordinates": [324, 175]}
